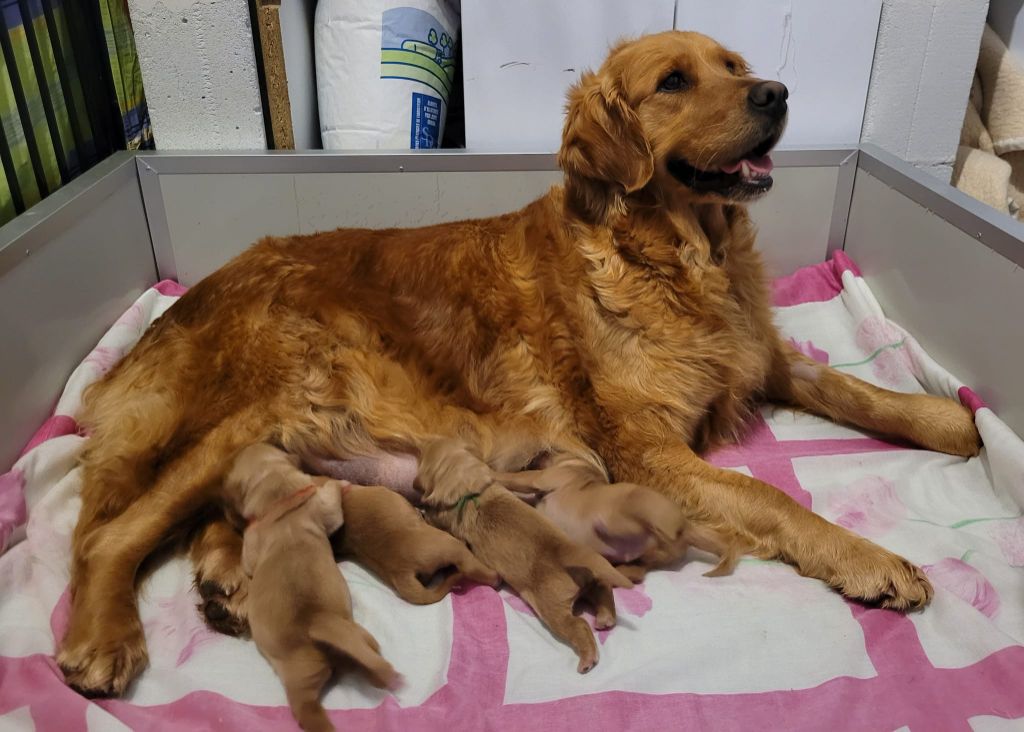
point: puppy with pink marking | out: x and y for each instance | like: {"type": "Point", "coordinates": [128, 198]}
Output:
{"type": "Point", "coordinates": [300, 610]}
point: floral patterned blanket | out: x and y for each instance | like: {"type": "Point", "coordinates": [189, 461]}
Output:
{"type": "Point", "coordinates": [763, 648]}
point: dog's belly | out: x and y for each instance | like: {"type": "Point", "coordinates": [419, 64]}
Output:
{"type": "Point", "coordinates": [397, 472]}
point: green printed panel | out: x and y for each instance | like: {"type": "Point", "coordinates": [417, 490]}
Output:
{"type": "Point", "coordinates": [15, 135]}
{"type": "Point", "coordinates": [34, 102]}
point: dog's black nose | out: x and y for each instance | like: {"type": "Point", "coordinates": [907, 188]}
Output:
{"type": "Point", "coordinates": [769, 96]}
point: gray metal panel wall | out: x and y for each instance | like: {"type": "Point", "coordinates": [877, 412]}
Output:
{"type": "Point", "coordinates": [206, 209]}
{"type": "Point", "coordinates": [68, 268]}
{"type": "Point", "coordinates": [963, 301]}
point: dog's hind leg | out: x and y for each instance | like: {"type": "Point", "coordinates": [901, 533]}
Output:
{"type": "Point", "coordinates": [216, 553]}
{"type": "Point", "coordinates": [104, 648]}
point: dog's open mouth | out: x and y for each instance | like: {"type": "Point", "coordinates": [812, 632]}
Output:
{"type": "Point", "coordinates": [748, 177]}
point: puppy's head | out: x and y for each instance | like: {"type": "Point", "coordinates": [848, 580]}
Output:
{"type": "Point", "coordinates": [256, 479]}
{"type": "Point", "coordinates": [674, 113]}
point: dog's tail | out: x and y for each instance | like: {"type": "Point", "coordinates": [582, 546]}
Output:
{"type": "Point", "coordinates": [353, 640]}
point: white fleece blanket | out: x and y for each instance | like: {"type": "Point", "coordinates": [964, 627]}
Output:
{"type": "Point", "coordinates": [763, 648]}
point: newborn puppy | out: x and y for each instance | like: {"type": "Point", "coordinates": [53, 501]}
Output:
{"type": "Point", "coordinates": [385, 534]}
{"type": "Point", "coordinates": [634, 527]}
{"type": "Point", "coordinates": [550, 572]}
{"type": "Point", "coordinates": [300, 611]}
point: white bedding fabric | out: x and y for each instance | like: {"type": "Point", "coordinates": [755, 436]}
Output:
{"type": "Point", "coordinates": [763, 648]}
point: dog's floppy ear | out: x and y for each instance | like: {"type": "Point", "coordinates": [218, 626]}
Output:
{"type": "Point", "coordinates": [604, 151]}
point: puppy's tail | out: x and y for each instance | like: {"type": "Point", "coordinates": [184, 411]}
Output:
{"type": "Point", "coordinates": [353, 640]}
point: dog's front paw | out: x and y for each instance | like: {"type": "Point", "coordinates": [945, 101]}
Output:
{"type": "Point", "coordinates": [945, 425]}
{"type": "Point", "coordinates": [103, 659]}
{"type": "Point", "coordinates": [222, 583]}
{"type": "Point", "coordinates": [224, 606]}
{"type": "Point", "coordinates": [876, 576]}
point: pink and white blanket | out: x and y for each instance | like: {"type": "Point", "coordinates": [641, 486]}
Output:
{"type": "Point", "coordinates": [763, 648]}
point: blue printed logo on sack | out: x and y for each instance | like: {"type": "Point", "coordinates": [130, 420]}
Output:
{"type": "Point", "coordinates": [426, 121]}
{"type": "Point", "coordinates": [416, 47]}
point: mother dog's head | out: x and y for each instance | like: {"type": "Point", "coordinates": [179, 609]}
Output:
{"type": "Point", "coordinates": [674, 115]}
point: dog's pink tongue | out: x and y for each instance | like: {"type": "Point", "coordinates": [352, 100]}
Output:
{"type": "Point", "coordinates": [758, 166]}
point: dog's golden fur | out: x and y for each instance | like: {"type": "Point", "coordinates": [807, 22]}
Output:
{"type": "Point", "coordinates": [623, 318]}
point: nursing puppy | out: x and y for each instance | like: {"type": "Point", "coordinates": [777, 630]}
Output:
{"type": "Point", "coordinates": [632, 526]}
{"type": "Point", "coordinates": [385, 534]}
{"type": "Point", "coordinates": [550, 572]}
{"type": "Point", "coordinates": [300, 611]}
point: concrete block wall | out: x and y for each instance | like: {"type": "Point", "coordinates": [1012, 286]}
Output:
{"type": "Point", "coordinates": [924, 63]}
{"type": "Point", "coordinates": [199, 69]}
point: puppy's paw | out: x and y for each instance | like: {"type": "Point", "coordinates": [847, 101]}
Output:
{"type": "Point", "coordinates": [587, 662]}
{"type": "Point", "coordinates": [475, 570]}
{"type": "Point", "coordinates": [604, 618]}
{"type": "Point", "coordinates": [633, 572]}
{"type": "Point", "coordinates": [449, 471]}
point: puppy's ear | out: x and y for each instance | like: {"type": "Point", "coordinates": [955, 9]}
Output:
{"type": "Point", "coordinates": [604, 153]}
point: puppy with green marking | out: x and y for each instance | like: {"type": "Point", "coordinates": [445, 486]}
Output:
{"type": "Point", "coordinates": [551, 573]}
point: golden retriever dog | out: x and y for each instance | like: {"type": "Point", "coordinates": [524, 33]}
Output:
{"type": "Point", "coordinates": [622, 317]}
{"type": "Point", "coordinates": [633, 526]}
{"type": "Point", "coordinates": [300, 609]}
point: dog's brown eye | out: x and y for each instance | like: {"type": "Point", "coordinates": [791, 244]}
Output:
{"type": "Point", "coordinates": [731, 65]}
{"type": "Point", "coordinates": [672, 83]}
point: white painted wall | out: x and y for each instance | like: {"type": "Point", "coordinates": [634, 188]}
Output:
{"type": "Point", "coordinates": [924, 63]}
{"type": "Point", "coordinates": [199, 70]}
{"type": "Point", "coordinates": [820, 49]}
{"type": "Point", "coordinates": [521, 56]}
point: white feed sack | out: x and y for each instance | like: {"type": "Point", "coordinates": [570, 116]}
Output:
{"type": "Point", "coordinates": [384, 71]}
